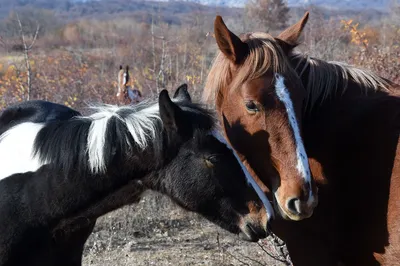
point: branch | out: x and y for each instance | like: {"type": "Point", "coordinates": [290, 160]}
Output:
{"type": "Point", "coordinates": [35, 36]}
{"type": "Point", "coordinates": [21, 31]}
{"type": "Point", "coordinates": [279, 249]}
{"type": "Point", "coordinates": [2, 41]}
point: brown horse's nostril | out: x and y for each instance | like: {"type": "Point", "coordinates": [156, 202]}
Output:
{"type": "Point", "coordinates": [293, 205]}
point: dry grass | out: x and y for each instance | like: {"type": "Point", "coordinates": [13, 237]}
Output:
{"type": "Point", "coordinates": [157, 232]}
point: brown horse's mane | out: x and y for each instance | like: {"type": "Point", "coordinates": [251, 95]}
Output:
{"type": "Point", "coordinates": [328, 77]}
{"type": "Point", "coordinates": [324, 78]}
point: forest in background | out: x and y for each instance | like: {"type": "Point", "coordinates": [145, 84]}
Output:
{"type": "Point", "coordinates": [70, 52]}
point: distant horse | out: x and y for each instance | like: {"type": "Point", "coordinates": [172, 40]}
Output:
{"type": "Point", "coordinates": [127, 93]}
{"type": "Point", "coordinates": [299, 123]}
{"type": "Point", "coordinates": [84, 167]}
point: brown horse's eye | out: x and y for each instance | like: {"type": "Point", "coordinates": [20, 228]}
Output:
{"type": "Point", "coordinates": [251, 107]}
{"type": "Point", "coordinates": [210, 161]}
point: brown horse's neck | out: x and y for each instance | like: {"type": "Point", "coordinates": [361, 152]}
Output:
{"type": "Point", "coordinates": [327, 83]}
{"type": "Point", "coordinates": [334, 121]}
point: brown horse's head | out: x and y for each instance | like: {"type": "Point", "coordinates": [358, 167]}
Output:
{"type": "Point", "coordinates": [123, 84]}
{"type": "Point", "coordinates": [259, 98]}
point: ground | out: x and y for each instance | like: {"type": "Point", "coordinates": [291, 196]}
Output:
{"type": "Point", "coordinates": [157, 232]}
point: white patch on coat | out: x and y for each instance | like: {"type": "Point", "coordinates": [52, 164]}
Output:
{"type": "Point", "coordinates": [16, 149]}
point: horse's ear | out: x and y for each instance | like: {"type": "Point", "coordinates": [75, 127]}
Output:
{"type": "Point", "coordinates": [169, 112]}
{"type": "Point", "coordinates": [229, 44]}
{"type": "Point", "coordinates": [127, 77]}
{"type": "Point", "coordinates": [182, 93]}
{"type": "Point", "coordinates": [289, 38]}
{"type": "Point", "coordinates": [120, 67]}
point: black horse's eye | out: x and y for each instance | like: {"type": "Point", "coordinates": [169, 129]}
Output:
{"type": "Point", "coordinates": [211, 161]}
{"type": "Point", "coordinates": [251, 107]}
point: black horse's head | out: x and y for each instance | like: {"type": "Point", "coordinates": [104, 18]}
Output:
{"type": "Point", "coordinates": [204, 176]}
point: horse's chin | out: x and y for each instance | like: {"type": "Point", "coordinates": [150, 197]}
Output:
{"type": "Point", "coordinates": [251, 231]}
{"type": "Point", "coordinates": [247, 237]}
{"type": "Point", "coordinates": [251, 235]}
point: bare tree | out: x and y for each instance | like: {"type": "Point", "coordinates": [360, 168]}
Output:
{"type": "Point", "coordinates": [26, 49]}
{"type": "Point", "coordinates": [270, 14]}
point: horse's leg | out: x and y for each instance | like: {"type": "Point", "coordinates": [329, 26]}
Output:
{"type": "Point", "coordinates": [69, 249]}
{"type": "Point", "coordinates": [392, 252]}
{"type": "Point", "coordinates": [71, 234]}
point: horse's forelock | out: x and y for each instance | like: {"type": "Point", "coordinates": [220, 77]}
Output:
{"type": "Point", "coordinates": [265, 56]}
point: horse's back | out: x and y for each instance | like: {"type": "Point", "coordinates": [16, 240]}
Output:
{"type": "Point", "coordinates": [36, 111]}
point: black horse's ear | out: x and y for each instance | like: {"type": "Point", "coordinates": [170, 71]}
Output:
{"type": "Point", "coordinates": [182, 93]}
{"type": "Point", "coordinates": [170, 113]}
{"type": "Point", "coordinates": [120, 67]}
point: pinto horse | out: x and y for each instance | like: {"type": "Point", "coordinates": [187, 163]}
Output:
{"type": "Point", "coordinates": [127, 94]}
{"type": "Point", "coordinates": [87, 166]}
{"type": "Point", "coordinates": [304, 126]}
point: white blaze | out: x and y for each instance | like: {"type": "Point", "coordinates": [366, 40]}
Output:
{"type": "Point", "coordinates": [250, 179]}
{"type": "Point", "coordinates": [302, 159]}
{"type": "Point", "coordinates": [124, 82]}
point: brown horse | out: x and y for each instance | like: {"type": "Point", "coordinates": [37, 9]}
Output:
{"type": "Point", "coordinates": [126, 92]}
{"type": "Point", "coordinates": [271, 100]}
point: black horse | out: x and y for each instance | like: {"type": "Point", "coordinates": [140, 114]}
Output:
{"type": "Point", "coordinates": [87, 166]}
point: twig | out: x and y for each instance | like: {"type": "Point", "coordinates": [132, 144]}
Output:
{"type": "Point", "coordinates": [244, 263]}
{"type": "Point", "coordinates": [3, 43]}
{"type": "Point", "coordinates": [224, 251]}
{"type": "Point", "coordinates": [253, 260]}
{"type": "Point", "coordinates": [26, 54]}
{"type": "Point", "coordinates": [153, 50]}
{"type": "Point", "coordinates": [278, 246]}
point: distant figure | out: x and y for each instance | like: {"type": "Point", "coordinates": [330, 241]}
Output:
{"type": "Point", "coordinates": [127, 93]}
